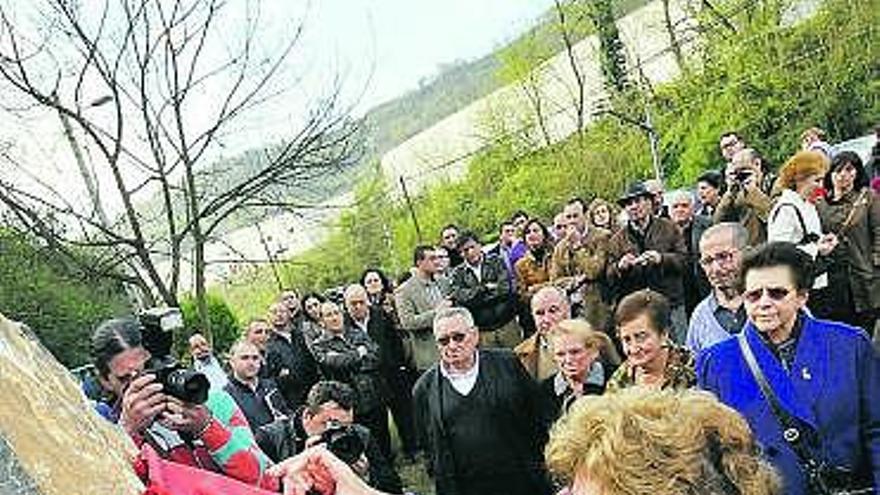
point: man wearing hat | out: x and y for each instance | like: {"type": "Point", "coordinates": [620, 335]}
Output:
{"type": "Point", "coordinates": [649, 252]}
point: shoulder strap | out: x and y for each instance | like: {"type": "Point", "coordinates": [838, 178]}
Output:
{"type": "Point", "coordinates": [797, 211]}
{"type": "Point", "coordinates": [791, 430]}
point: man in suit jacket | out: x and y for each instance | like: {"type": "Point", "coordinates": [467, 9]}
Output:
{"type": "Point", "coordinates": [481, 284]}
{"type": "Point", "coordinates": [417, 300]}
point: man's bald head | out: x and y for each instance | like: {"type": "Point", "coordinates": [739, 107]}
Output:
{"type": "Point", "coordinates": [549, 307]}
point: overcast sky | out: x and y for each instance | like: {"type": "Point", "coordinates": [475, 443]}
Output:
{"type": "Point", "coordinates": [406, 40]}
{"type": "Point", "coordinates": [380, 49]}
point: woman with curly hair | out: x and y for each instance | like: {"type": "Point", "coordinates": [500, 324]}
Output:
{"type": "Point", "coordinates": [657, 443]}
{"type": "Point", "coordinates": [603, 214]}
{"type": "Point", "coordinates": [653, 360]}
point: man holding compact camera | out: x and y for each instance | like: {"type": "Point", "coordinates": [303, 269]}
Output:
{"type": "Point", "coordinates": [745, 201]}
{"type": "Point", "coordinates": [649, 253]}
{"type": "Point", "coordinates": [328, 418]}
{"type": "Point", "coordinates": [169, 408]}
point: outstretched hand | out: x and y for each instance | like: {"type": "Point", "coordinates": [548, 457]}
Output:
{"type": "Point", "coordinates": [317, 470]}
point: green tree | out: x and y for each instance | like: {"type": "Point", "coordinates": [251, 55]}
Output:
{"type": "Point", "coordinates": [60, 305]}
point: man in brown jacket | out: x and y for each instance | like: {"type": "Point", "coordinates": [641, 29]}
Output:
{"type": "Point", "coordinates": [579, 265]}
{"type": "Point", "coordinates": [549, 307]}
{"type": "Point", "coordinates": [650, 253]}
{"type": "Point", "coordinates": [745, 201]}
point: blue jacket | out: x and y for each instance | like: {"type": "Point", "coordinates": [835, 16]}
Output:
{"type": "Point", "coordinates": [833, 385]}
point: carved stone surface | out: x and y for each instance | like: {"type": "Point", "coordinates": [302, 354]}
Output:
{"type": "Point", "coordinates": [51, 440]}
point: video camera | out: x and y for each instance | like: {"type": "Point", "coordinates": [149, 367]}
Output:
{"type": "Point", "coordinates": [157, 327]}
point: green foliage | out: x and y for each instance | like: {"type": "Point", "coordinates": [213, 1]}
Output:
{"type": "Point", "coordinates": [771, 81]}
{"type": "Point", "coordinates": [224, 324]}
{"type": "Point", "coordinates": [61, 305]}
{"type": "Point", "coordinates": [611, 49]}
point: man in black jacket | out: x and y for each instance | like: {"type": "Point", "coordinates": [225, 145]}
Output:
{"type": "Point", "coordinates": [288, 360]}
{"type": "Point", "coordinates": [397, 377]}
{"type": "Point", "coordinates": [481, 284]}
{"type": "Point", "coordinates": [347, 354]}
{"type": "Point", "coordinates": [328, 404]}
{"type": "Point", "coordinates": [259, 398]}
{"type": "Point", "coordinates": [479, 416]}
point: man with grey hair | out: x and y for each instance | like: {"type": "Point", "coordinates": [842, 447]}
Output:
{"type": "Point", "coordinates": [479, 416]}
{"type": "Point", "coordinates": [549, 306]}
{"type": "Point", "coordinates": [396, 375]}
{"type": "Point", "coordinates": [692, 226]}
{"type": "Point", "coordinates": [721, 314]}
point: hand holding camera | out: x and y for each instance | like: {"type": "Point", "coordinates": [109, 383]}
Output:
{"type": "Point", "coordinates": [142, 402]}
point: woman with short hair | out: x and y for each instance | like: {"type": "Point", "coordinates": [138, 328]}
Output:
{"type": "Point", "coordinates": [652, 359]}
{"type": "Point", "coordinates": [852, 211]}
{"type": "Point", "coordinates": [585, 359]}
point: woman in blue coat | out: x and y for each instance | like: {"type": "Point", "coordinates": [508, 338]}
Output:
{"type": "Point", "coordinates": [826, 375]}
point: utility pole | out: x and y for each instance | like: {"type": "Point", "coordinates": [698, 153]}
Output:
{"type": "Point", "coordinates": [412, 210]}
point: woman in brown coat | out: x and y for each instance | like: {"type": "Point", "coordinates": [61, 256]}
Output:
{"type": "Point", "coordinates": [533, 269]}
{"type": "Point", "coordinates": [852, 211]}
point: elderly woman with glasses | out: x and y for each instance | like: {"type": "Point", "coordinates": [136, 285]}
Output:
{"type": "Point", "coordinates": [822, 376]}
{"type": "Point", "coordinates": [577, 350]}
{"type": "Point", "coordinates": [652, 360]}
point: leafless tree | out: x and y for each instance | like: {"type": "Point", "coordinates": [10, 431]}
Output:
{"type": "Point", "coordinates": [174, 80]}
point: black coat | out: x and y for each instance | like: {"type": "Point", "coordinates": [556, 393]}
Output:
{"type": "Point", "coordinates": [382, 330]}
{"type": "Point", "coordinates": [291, 365]}
{"type": "Point", "coordinates": [340, 358]}
{"type": "Point", "coordinates": [489, 299]}
{"type": "Point", "coordinates": [506, 421]}
{"type": "Point", "coordinates": [260, 406]}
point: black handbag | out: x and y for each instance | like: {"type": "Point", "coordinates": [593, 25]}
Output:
{"type": "Point", "coordinates": [821, 478]}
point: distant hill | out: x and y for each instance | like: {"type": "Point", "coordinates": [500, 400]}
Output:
{"type": "Point", "coordinates": [454, 86]}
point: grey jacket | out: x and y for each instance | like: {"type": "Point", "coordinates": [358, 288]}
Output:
{"type": "Point", "coordinates": [416, 301]}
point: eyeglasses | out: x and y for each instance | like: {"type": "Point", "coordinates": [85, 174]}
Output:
{"type": "Point", "coordinates": [722, 258]}
{"type": "Point", "coordinates": [774, 293]}
{"type": "Point", "coordinates": [457, 337]}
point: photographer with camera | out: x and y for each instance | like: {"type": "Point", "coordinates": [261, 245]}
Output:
{"type": "Point", "coordinates": [746, 201]}
{"type": "Point", "coordinates": [327, 419]}
{"type": "Point", "coordinates": [169, 408]}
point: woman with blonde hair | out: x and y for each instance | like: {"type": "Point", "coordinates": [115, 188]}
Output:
{"type": "Point", "coordinates": [585, 359]}
{"type": "Point", "coordinates": [657, 443]}
{"type": "Point", "coordinates": [794, 217]}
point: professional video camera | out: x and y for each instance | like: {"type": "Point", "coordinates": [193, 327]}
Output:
{"type": "Point", "coordinates": [157, 326]}
{"type": "Point", "coordinates": [343, 441]}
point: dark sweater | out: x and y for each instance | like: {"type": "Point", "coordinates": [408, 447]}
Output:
{"type": "Point", "coordinates": [490, 441]}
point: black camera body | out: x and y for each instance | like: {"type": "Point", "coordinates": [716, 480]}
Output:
{"type": "Point", "coordinates": [742, 175]}
{"type": "Point", "coordinates": [180, 382]}
{"type": "Point", "coordinates": [157, 326]}
{"type": "Point", "coordinates": [343, 441]}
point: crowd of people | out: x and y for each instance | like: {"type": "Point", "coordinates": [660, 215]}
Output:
{"type": "Point", "coordinates": [714, 340]}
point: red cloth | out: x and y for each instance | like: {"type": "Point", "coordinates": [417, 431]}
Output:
{"type": "Point", "coordinates": [170, 478]}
